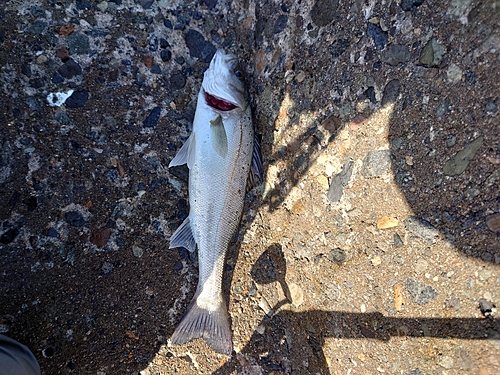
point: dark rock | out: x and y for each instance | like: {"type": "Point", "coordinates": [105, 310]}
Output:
{"type": "Point", "coordinates": [153, 43]}
{"type": "Point", "coordinates": [63, 53]}
{"type": "Point", "coordinates": [168, 24]}
{"type": "Point", "coordinates": [101, 237]}
{"type": "Point", "coordinates": [37, 27]}
{"type": "Point", "coordinates": [77, 99]}
{"type": "Point", "coordinates": [9, 236]}
{"type": "Point", "coordinates": [178, 266]}
{"type": "Point", "coordinates": [376, 163]}
{"type": "Point", "coordinates": [37, 12]}
{"type": "Point", "coordinates": [421, 293]}
{"type": "Point", "coordinates": [339, 181]}
{"type": "Point", "coordinates": [199, 47]}
{"type": "Point", "coordinates": [51, 232]}
{"type": "Point", "coordinates": [82, 4]}
{"type": "Point", "coordinates": [210, 3]}
{"type": "Point", "coordinates": [177, 81]}
{"type": "Point", "coordinates": [31, 203]}
{"type": "Point", "coordinates": [380, 37]}
{"type": "Point", "coordinates": [487, 308]}
{"type": "Point", "coordinates": [78, 43]}
{"type": "Point", "coordinates": [471, 77]}
{"type": "Point", "coordinates": [398, 242]}
{"type": "Point", "coordinates": [443, 107]}
{"type": "Point", "coordinates": [370, 94]}
{"type": "Point", "coordinates": [181, 172]}
{"type": "Point", "coordinates": [391, 92]}
{"type": "Point", "coordinates": [164, 43]}
{"type": "Point", "coordinates": [146, 4]}
{"type": "Point", "coordinates": [323, 12]}
{"type": "Point", "coordinates": [152, 120]}
{"type": "Point", "coordinates": [395, 54]}
{"type": "Point", "coordinates": [155, 69]}
{"type": "Point", "coordinates": [491, 107]}
{"type": "Point", "coordinates": [37, 83]}
{"type": "Point", "coordinates": [70, 69]}
{"type": "Point", "coordinates": [280, 24]}
{"type": "Point", "coordinates": [432, 53]}
{"type": "Point", "coordinates": [57, 78]}
{"type": "Point", "coordinates": [422, 229]}
{"type": "Point", "coordinates": [34, 104]}
{"type": "Point", "coordinates": [408, 5]}
{"type": "Point", "coordinates": [338, 47]}
{"type": "Point", "coordinates": [459, 162]}
{"type": "Point", "coordinates": [74, 218]}
{"type": "Point", "coordinates": [337, 256]}
{"type": "Point", "coordinates": [26, 70]}
{"type": "Point", "coordinates": [165, 55]}
{"type": "Point", "coordinates": [107, 267]}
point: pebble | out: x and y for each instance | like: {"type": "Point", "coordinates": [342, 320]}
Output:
{"type": "Point", "coordinates": [77, 99]}
{"type": "Point", "coordinates": [398, 298]}
{"type": "Point", "coordinates": [146, 4]}
{"type": "Point", "coordinates": [376, 261]}
{"type": "Point", "coordinates": [101, 237]}
{"type": "Point", "coordinates": [74, 218]}
{"type": "Point", "coordinates": [386, 222]}
{"type": "Point", "coordinates": [340, 180]}
{"type": "Point", "coordinates": [454, 73]}
{"type": "Point", "coordinates": [493, 222]}
{"type": "Point", "coordinates": [395, 54]}
{"type": "Point", "coordinates": [421, 293]}
{"type": "Point", "coordinates": [148, 61]}
{"type": "Point", "coordinates": [280, 24]}
{"type": "Point", "coordinates": [137, 251]}
{"type": "Point", "coordinates": [337, 255]}
{"type": "Point", "coordinates": [421, 265]}
{"type": "Point", "coordinates": [422, 229]}
{"type": "Point", "coordinates": [323, 12]}
{"type": "Point", "coordinates": [491, 107]}
{"type": "Point", "coordinates": [410, 5]}
{"type": "Point", "coordinates": [459, 162]}
{"type": "Point", "coordinates": [41, 59]}
{"type": "Point", "coordinates": [487, 308]}
{"type": "Point", "coordinates": [199, 47]}
{"type": "Point", "coordinates": [51, 232]}
{"type": "Point", "coordinates": [445, 362]}
{"type": "Point", "coordinates": [103, 6]}
{"type": "Point", "coordinates": [398, 242]}
{"type": "Point", "coordinates": [152, 120]}
{"type": "Point", "coordinates": [296, 294]}
{"type": "Point", "coordinates": [63, 53]}
{"type": "Point", "coordinates": [391, 92]}
{"type": "Point", "coordinates": [432, 53]}
{"type": "Point", "coordinates": [177, 81]}
{"type": "Point", "coordinates": [66, 29]}
{"type": "Point", "coordinates": [107, 267]}
{"type": "Point", "coordinates": [165, 55]}
{"type": "Point", "coordinates": [322, 181]}
{"type": "Point", "coordinates": [37, 27]}
{"type": "Point", "coordinates": [443, 107]}
{"type": "Point", "coordinates": [34, 104]}
{"type": "Point", "coordinates": [70, 69]}
{"type": "Point", "coordinates": [379, 37]}
{"type": "Point", "coordinates": [79, 44]}
{"type": "Point", "coordinates": [453, 303]}
{"type": "Point", "coordinates": [9, 236]}
{"type": "Point", "coordinates": [376, 163]}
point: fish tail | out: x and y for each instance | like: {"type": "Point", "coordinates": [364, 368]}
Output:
{"type": "Point", "coordinates": [211, 326]}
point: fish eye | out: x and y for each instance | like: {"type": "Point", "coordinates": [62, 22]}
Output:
{"type": "Point", "coordinates": [238, 74]}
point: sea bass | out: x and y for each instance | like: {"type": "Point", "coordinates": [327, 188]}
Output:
{"type": "Point", "coordinates": [218, 154]}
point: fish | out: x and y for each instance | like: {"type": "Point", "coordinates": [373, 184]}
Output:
{"type": "Point", "coordinates": [220, 152]}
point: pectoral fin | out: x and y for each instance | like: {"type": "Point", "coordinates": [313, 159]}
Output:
{"type": "Point", "coordinates": [185, 155]}
{"type": "Point", "coordinates": [256, 176]}
{"type": "Point", "coordinates": [219, 137]}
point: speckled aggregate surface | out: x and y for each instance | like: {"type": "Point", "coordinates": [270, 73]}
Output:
{"type": "Point", "coordinates": [372, 247]}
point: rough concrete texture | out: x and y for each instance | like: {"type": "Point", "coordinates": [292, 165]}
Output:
{"type": "Point", "coordinates": [97, 97]}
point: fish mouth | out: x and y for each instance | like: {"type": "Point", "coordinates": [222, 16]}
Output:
{"type": "Point", "coordinates": [218, 103]}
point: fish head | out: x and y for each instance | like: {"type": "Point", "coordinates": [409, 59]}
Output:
{"type": "Point", "coordinates": [223, 83]}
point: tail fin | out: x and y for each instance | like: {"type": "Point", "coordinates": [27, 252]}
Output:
{"type": "Point", "coordinates": [211, 326]}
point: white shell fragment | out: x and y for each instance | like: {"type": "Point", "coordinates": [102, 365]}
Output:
{"type": "Point", "coordinates": [57, 99]}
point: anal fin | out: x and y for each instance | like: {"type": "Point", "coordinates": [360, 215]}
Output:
{"type": "Point", "coordinates": [183, 237]}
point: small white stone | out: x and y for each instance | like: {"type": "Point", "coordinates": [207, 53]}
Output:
{"type": "Point", "coordinates": [362, 308]}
